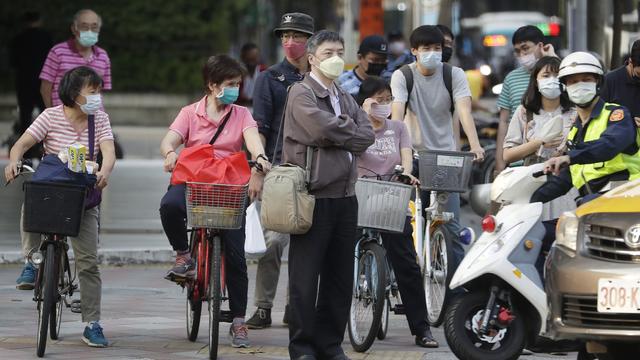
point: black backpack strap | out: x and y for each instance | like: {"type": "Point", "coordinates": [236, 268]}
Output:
{"type": "Point", "coordinates": [408, 79]}
{"type": "Point", "coordinates": [221, 127]}
{"type": "Point", "coordinates": [447, 75]}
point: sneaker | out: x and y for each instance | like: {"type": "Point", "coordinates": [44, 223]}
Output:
{"type": "Point", "coordinates": [285, 318]}
{"type": "Point", "coordinates": [261, 319]}
{"type": "Point", "coordinates": [239, 336]}
{"type": "Point", "coordinates": [182, 269]}
{"type": "Point", "coordinates": [27, 279]}
{"type": "Point", "coordinates": [93, 336]}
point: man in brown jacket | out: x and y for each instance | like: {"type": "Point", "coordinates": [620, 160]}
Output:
{"type": "Point", "coordinates": [321, 115]}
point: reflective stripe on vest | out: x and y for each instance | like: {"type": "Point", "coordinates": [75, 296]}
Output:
{"type": "Point", "coordinates": [584, 173]}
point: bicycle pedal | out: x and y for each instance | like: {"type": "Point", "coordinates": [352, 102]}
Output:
{"type": "Point", "coordinates": [398, 309]}
{"type": "Point", "coordinates": [226, 316]}
{"type": "Point", "coordinates": [76, 307]}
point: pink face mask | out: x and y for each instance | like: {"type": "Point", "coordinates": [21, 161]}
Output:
{"type": "Point", "coordinates": [294, 50]}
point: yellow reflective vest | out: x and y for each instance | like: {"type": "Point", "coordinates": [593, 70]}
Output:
{"type": "Point", "coordinates": [584, 173]}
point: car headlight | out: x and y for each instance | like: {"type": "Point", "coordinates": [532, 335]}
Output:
{"type": "Point", "coordinates": [567, 231]}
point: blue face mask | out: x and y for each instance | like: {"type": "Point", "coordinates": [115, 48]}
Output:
{"type": "Point", "coordinates": [228, 95]}
{"type": "Point", "coordinates": [88, 38]}
{"type": "Point", "coordinates": [93, 104]}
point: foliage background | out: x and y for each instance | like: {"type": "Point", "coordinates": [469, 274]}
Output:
{"type": "Point", "coordinates": [154, 45]}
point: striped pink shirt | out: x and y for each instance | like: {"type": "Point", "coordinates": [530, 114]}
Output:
{"type": "Point", "coordinates": [57, 133]}
{"type": "Point", "coordinates": [64, 57]}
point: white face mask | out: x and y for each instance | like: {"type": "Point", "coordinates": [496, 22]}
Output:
{"type": "Point", "coordinates": [332, 67]}
{"type": "Point", "coordinates": [380, 112]}
{"type": "Point", "coordinates": [93, 104]}
{"type": "Point", "coordinates": [582, 93]}
{"type": "Point", "coordinates": [549, 87]}
{"type": "Point", "coordinates": [397, 47]}
{"type": "Point", "coordinates": [430, 59]}
{"type": "Point", "coordinates": [527, 61]}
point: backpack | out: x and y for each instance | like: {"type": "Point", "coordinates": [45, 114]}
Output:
{"type": "Point", "coordinates": [447, 71]}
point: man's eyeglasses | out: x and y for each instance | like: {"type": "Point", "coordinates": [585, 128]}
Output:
{"type": "Point", "coordinates": [87, 27]}
{"type": "Point", "coordinates": [383, 100]}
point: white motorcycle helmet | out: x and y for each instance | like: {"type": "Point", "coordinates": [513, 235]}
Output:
{"type": "Point", "coordinates": [580, 62]}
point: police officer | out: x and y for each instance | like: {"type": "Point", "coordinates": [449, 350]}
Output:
{"type": "Point", "coordinates": [602, 144]}
{"type": "Point", "coordinates": [372, 61]}
{"type": "Point", "coordinates": [269, 96]}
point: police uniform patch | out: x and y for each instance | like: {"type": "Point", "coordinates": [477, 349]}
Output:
{"type": "Point", "coordinates": [616, 115]}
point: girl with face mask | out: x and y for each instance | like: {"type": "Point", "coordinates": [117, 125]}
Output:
{"type": "Point", "coordinates": [539, 126]}
{"type": "Point", "coordinates": [392, 147]}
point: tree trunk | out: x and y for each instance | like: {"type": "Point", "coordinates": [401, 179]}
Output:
{"type": "Point", "coordinates": [444, 15]}
{"type": "Point", "coordinates": [617, 30]}
{"type": "Point", "coordinates": [597, 14]}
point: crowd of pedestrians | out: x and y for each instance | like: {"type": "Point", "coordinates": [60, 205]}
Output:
{"type": "Point", "coordinates": [395, 101]}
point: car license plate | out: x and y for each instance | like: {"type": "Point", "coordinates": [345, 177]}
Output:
{"type": "Point", "coordinates": [618, 296]}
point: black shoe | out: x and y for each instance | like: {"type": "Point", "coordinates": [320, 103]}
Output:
{"type": "Point", "coordinates": [426, 340]}
{"type": "Point", "coordinates": [261, 319]}
{"type": "Point", "coordinates": [285, 318]}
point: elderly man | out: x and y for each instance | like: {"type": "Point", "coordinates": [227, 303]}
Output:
{"type": "Point", "coordinates": [322, 116]}
{"type": "Point", "coordinates": [80, 50]}
{"type": "Point", "coordinates": [269, 99]}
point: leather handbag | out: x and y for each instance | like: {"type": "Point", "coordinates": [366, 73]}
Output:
{"type": "Point", "coordinates": [287, 205]}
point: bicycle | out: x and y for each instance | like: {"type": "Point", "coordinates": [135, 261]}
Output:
{"type": "Point", "coordinates": [54, 210]}
{"type": "Point", "coordinates": [382, 207]}
{"type": "Point", "coordinates": [210, 208]}
{"type": "Point", "coordinates": [441, 173]}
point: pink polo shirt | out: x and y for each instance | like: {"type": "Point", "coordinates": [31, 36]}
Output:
{"type": "Point", "coordinates": [64, 57]}
{"type": "Point", "coordinates": [196, 128]}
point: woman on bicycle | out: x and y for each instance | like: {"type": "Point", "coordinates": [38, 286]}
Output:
{"type": "Point", "coordinates": [391, 148]}
{"type": "Point", "coordinates": [529, 140]}
{"type": "Point", "coordinates": [57, 128]}
{"type": "Point", "coordinates": [196, 124]}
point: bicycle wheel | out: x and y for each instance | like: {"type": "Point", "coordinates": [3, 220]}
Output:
{"type": "Point", "coordinates": [436, 284]}
{"type": "Point", "coordinates": [48, 285]}
{"type": "Point", "coordinates": [384, 321]}
{"type": "Point", "coordinates": [56, 315]}
{"type": "Point", "coordinates": [194, 297]}
{"type": "Point", "coordinates": [368, 299]}
{"type": "Point", "coordinates": [214, 297]}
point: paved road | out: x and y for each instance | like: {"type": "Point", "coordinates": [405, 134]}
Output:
{"type": "Point", "coordinates": [143, 317]}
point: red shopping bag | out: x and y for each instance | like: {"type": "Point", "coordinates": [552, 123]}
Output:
{"type": "Point", "coordinates": [197, 164]}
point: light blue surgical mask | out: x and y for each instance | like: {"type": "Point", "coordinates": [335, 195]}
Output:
{"type": "Point", "coordinates": [93, 104]}
{"type": "Point", "coordinates": [88, 38]}
{"type": "Point", "coordinates": [430, 59]}
{"type": "Point", "coordinates": [228, 95]}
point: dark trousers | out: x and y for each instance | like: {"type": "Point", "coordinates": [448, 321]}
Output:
{"type": "Point", "coordinates": [319, 314]}
{"type": "Point", "coordinates": [402, 255]}
{"type": "Point", "coordinates": [28, 99]}
{"type": "Point", "coordinates": [173, 214]}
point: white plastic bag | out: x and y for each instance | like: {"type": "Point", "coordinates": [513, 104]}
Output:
{"type": "Point", "coordinates": [254, 243]}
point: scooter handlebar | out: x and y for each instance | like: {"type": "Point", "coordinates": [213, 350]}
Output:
{"type": "Point", "coordinates": [538, 174]}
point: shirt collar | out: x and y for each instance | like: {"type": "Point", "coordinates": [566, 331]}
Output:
{"type": "Point", "coordinates": [72, 46]}
{"type": "Point", "coordinates": [289, 66]}
{"type": "Point", "coordinates": [597, 109]}
{"type": "Point", "coordinates": [201, 109]}
{"type": "Point", "coordinates": [332, 90]}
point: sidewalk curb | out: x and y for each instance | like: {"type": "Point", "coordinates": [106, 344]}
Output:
{"type": "Point", "coordinates": [120, 257]}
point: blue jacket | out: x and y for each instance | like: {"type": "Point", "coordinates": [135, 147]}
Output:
{"type": "Point", "coordinates": [269, 96]}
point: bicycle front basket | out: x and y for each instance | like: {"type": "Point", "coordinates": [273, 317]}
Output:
{"type": "Point", "coordinates": [445, 170]}
{"type": "Point", "coordinates": [382, 205]}
{"type": "Point", "coordinates": [53, 208]}
{"type": "Point", "coordinates": [216, 206]}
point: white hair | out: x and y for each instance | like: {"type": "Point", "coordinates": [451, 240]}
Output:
{"type": "Point", "coordinates": [82, 12]}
